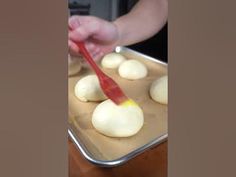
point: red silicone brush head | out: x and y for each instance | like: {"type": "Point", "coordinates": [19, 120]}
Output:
{"type": "Point", "coordinates": [112, 90]}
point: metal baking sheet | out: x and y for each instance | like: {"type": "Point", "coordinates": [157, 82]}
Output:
{"type": "Point", "coordinates": [106, 151]}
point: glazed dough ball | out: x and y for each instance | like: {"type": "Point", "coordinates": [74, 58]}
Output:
{"type": "Point", "coordinates": [112, 60]}
{"type": "Point", "coordinates": [88, 89]}
{"type": "Point", "coordinates": [117, 121]}
{"type": "Point", "coordinates": [159, 90]}
{"type": "Point", "coordinates": [132, 69]}
{"type": "Point", "coordinates": [74, 65]}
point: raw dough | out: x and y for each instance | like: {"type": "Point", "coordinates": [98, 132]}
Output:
{"type": "Point", "coordinates": [88, 89]}
{"type": "Point", "coordinates": [112, 60]}
{"type": "Point", "coordinates": [159, 90]}
{"type": "Point", "coordinates": [74, 65]}
{"type": "Point", "coordinates": [117, 121]}
{"type": "Point", "coordinates": [132, 69]}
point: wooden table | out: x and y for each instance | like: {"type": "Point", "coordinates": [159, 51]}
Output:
{"type": "Point", "coordinates": [152, 163]}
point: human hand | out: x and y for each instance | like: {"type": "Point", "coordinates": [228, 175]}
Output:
{"type": "Point", "coordinates": [100, 36]}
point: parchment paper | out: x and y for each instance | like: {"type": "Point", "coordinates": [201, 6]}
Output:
{"type": "Point", "coordinates": [155, 114]}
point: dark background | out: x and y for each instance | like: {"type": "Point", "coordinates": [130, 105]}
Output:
{"type": "Point", "coordinates": [155, 46]}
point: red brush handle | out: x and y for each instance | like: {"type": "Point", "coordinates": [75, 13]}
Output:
{"type": "Point", "coordinates": [110, 87]}
{"type": "Point", "coordinates": [87, 56]}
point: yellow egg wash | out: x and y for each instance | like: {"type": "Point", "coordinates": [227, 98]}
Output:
{"type": "Point", "coordinates": [129, 102]}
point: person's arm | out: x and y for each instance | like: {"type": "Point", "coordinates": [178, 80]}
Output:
{"type": "Point", "coordinates": [145, 19]}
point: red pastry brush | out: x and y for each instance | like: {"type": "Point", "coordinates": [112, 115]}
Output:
{"type": "Point", "coordinates": [108, 85]}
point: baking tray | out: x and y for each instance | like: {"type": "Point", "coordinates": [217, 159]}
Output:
{"type": "Point", "coordinates": [106, 151]}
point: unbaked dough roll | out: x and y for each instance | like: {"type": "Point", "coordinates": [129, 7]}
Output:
{"type": "Point", "coordinates": [133, 70]}
{"type": "Point", "coordinates": [117, 121]}
{"type": "Point", "coordinates": [112, 60]}
{"type": "Point", "coordinates": [159, 90]}
{"type": "Point", "coordinates": [88, 89]}
{"type": "Point", "coordinates": [74, 65]}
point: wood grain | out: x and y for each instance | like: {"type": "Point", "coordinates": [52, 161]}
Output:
{"type": "Point", "coordinates": [152, 163]}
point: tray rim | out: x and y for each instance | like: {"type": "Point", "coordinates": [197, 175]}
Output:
{"type": "Point", "coordinates": [119, 161]}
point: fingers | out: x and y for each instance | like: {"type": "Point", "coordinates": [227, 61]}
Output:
{"type": "Point", "coordinates": [84, 31]}
{"type": "Point", "coordinates": [74, 22]}
{"type": "Point", "coordinates": [90, 46]}
{"type": "Point", "coordinates": [98, 56]}
{"type": "Point", "coordinates": [93, 50]}
{"type": "Point", "coordinates": [73, 47]}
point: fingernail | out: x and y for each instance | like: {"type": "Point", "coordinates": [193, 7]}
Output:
{"type": "Point", "coordinates": [97, 50]}
{"type": "Point", "coordinates": [90, 46]}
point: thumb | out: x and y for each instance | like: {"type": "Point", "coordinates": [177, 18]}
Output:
{"type": "Point", "coordinates": [74, 21]}
{"type": "Point", "coordinates": [84, 31]}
